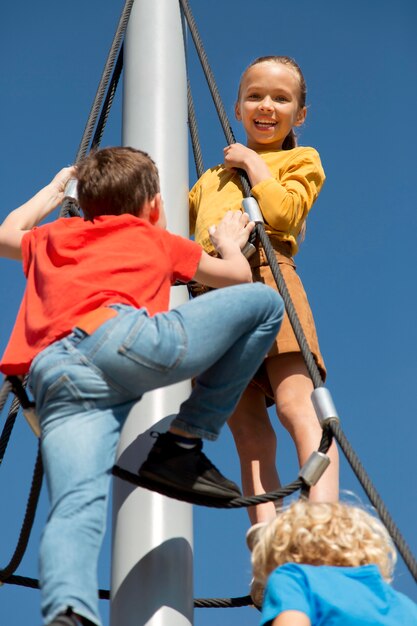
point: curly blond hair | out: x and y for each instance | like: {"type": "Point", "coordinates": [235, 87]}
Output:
{"type": "Point", "coordinates": [322, 534]}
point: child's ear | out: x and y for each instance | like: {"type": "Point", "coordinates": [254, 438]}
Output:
{"type": "Point", "coordinates": [155, 208]}
{"type": "Point", "coordinates": [301, 116]}
{"type": "Point", "coordinates": [238, 115]}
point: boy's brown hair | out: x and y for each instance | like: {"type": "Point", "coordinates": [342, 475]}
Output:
{"type": "Point", "coordinates": [114, 181]}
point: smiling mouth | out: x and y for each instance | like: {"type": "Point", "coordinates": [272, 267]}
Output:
{"type": "Point", "coordinates": [265, 124]}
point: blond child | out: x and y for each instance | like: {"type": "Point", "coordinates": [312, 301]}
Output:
{"type": "Point", "coordinates": [285, 180]}
{"type": "Point", "coordinates": [327, 563]}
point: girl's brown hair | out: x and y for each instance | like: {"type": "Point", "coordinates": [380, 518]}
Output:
{"type": "Point", "coordinates": [114, 181]}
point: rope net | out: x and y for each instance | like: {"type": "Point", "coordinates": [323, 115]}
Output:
{"type": "Point", "coordinates": [93, 133]}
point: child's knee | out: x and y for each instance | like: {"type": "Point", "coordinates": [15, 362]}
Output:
{"type": "Point", "coordinates": [273, 302]}
{"type": "Point", "coordinates": [252, 431]}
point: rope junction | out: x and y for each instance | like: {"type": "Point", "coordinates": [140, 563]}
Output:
{"type": "Point", "coordinates": [330, 423]}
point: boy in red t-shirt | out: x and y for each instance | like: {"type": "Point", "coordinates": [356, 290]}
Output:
{"type": "Point", "coordinates": [94, 334]}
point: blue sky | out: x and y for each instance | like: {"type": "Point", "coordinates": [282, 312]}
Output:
{"type": "Point", "coordinates": [357, 263]}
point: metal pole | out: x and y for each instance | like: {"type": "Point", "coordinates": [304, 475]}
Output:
{"type": "Point", "coordinates": [152, 535]}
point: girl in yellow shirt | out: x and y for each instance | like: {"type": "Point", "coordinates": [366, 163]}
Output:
{"type": "Point", "coordinates": [285, 180]}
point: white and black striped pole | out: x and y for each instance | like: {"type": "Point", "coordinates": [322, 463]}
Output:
{"type": "Point", "coordinates": [152, 535]}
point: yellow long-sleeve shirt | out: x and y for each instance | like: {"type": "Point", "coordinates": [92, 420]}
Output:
{"type": "Point", "coordinates": [284, 199]}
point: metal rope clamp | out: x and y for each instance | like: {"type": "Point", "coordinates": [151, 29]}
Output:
{"type": "Point", "coordinates": [251, 207]}
{"type": "Point", "coordinates": [324, 406]}
{"type": "Point", "coordinates": [326, 412]}
{"type": "Point", "coordinates": [71, 189]}
{"type": "Point", "coordinates": [314, 468]}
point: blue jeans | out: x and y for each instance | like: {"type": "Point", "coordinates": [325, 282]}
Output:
{"type": "Point", "coordinates": [84, 387]}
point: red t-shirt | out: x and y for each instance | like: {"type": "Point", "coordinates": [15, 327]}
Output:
{"type": "Point", "coordinates": [74, 266]}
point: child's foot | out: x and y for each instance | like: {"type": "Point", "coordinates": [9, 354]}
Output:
{"type": "Point", "coordinates": [185, 470]}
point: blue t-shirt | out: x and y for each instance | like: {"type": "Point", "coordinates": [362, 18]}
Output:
{"type": "Point", "coordinates": [336, 596]}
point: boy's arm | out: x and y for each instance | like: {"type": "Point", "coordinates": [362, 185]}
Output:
{"type": "Point", "coordinates": [22, 219]}
{"type": "Point", "coordinates": [228, 237]}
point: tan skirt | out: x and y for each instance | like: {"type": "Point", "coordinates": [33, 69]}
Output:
{"type": "Point", "coordinates": [286, 341]}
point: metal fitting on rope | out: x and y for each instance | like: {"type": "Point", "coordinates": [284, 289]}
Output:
{"type": "Point", "coordinates": [71, 189]}
{"type": "Point", "coordinates": [314, 468]}
{"type": "Point", "coordinates": [251, 207]}
{"type": "Point", "coordinates": [324, 406]}
{"type": "Point", "coordinates": [248, 250]}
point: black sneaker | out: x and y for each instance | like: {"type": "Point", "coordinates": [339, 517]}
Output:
{"type": "Point", "coordinates": [171, 469]}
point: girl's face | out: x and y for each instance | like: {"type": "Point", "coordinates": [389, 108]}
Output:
{"type": "Point", "coordinates": [268, 105]}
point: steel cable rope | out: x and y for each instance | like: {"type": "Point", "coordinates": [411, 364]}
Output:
{"type": "Point", "coordinates": [235, 503]}
{"type": "Point", "coordinates": [8, 427]}
{"type": "Point", "coordinates": [292, 315]}
{"type": "Point", "coordinates": [36, 485]}
{"type": "Point", "coordinates": [104, 594]}
{"type": "Point", "coordinates": [334, 427]}
{"type": "Point", "coordinates": [195, 140]}
{"type": "Point", "coordinates": [29, 517]}
{"type": "Point", "coordinates": [69, 206]}
{"type": "Point", "coordinates": [98, 135]}
{"type": "Point", "coordinates": [23, 401]}
{"type": "Point", "coordinates": [375, 498]}
{"type": "Point", "coordinates": [6, 574]}
{"type": "Point", "coordinates": [4, 393]}
{"type": "Point", "coordinates": [219, 503]}
{"type": "Point", "coordinates": [11, 417]}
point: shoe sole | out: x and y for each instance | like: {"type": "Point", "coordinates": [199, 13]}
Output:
{"type": "Point", "coordinates": [158, 482]}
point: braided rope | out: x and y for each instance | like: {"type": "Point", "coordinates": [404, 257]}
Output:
{"type": "Point", "coordinates": [29, 517]}
{"type": "Point", "coordinates": [6, 573]}
{"type": "Point", "coordinates": [111, 92]}
{"type": "Point", "coordinates": [4, 393]}
{"type": "Point", "coordinates": [309, 359]}
{"type": "Point", "coordinates": [222, 603]}
{"type": "Point", "coordinates": [195, 140]}
{"type": "Point", "coordinates": [104, 594]}
{"type": "Point", "coordinates": [220, 503]}
{"type": "Point", "coordinates": [68, 205]}
{"type": "Point", "coordinates": [374, 498]}
{"type": "Point", "coordinates": [216, 503]}
{"type": "Point", "coordinates": [110, 61]}
{"type": "Point", "coordinates": [8, 428]}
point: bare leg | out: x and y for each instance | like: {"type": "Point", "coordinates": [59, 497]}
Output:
{"type": "Point", "coordinates": [292, 387]}
{"type": "Point", "coordinates": [256, 446]}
